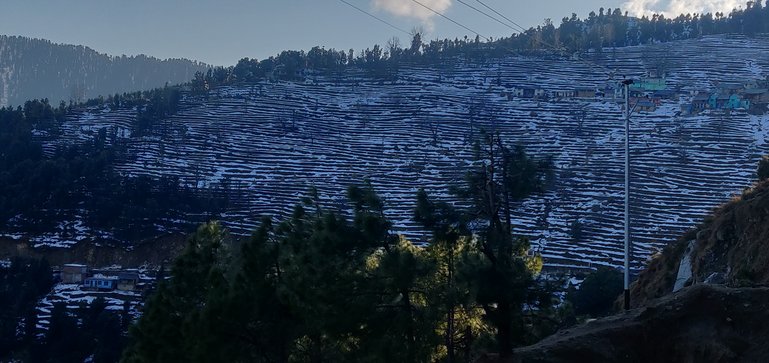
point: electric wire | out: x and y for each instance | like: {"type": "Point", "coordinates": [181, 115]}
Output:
{"type": "Point", "coordinates": [450, 19]}
{"type": "Point", "coordinates": [487, 15]}
{"type": "Point", "coordinates": [515, 27]}
{"type": "Point", "coordinates": [522, 30]}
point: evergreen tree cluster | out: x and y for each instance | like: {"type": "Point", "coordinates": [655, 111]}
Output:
{"type": "Point", "coordinates": [78, 181]}
{"type": "Point", "coordinates": [27, 67]}
{"type": "Point", "coordinates": [597, 292]}
{"type": "Point", "coordinates": [328, 286]}
{"type": "Point", "coordinates": [605, 29]}
{"type": "Point", "coordinates": [22, 284]}
{"type": "Point", "coordinates": [89, 332]}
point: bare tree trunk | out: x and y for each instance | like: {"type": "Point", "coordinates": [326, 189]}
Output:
{"type": "Point", "coordinates": [450, 322]}
{"type": "Point", "coordinates": [410, 335]}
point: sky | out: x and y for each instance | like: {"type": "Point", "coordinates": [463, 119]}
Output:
{"type": "Point", "coordinates": [220, 32]}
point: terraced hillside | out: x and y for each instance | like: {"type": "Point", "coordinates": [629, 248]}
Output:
{"type": "Point", "coordinates": [271, 141]}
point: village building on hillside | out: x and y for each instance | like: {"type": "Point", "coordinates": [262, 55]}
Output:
{"type": "Point", "coordinates": [586, 92]}
{"type": "Point", "coordinates": [649, 84]}
{"type": "Point", "coordinates": [730, 87]}
{"type": "Point", "coordinates": [529, 92]}
{"type": "Point", "coordinates": [127, 280]}
{"type": "Point", "coordinates": [700, 101]}
{"type": "Point", "coordinates": [101, 282]}
{"type": "Point", "coordinates": [73, 273]}
{"type": "Point", "coordinates": [726, 101]}
{"type": "Point", "coordinates": [563, 93]}
{"type": "Point", "coordinates": [110, 279]}
{"type": "Point", "coordinates": [757, 95]}
{"type": "Point", "coordinates": [666, 94]}
{"type": "Point", "coordinates": [645, 105]}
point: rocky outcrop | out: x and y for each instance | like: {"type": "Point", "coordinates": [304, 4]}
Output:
{"type": "Point", "coordinates": [701, 323]}
{"type": "Point", "coordinates": [729, 247]}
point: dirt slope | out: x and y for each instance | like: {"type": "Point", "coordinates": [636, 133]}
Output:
{"type": "Point", "coordinates": [731, 246]}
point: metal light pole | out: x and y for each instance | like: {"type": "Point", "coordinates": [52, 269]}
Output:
{"type": "Point", "coordinates": [627, 84]}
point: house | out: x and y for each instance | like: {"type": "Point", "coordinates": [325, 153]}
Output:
{"type": "Point", "coordinates": [564, 93]}
{"type": "Point", "coordinates": [756, 95]}
{"type": "Point", "coordinates": [73, 273]}
{"type": "Point", "coordinates": [717, 100]}
{"type": "Point", "coordinates": [101, 282]}
{"type": "Point", "coordinates": [665, 94]}
{"type": "Point", "coordinates": [726, 101]}
{"type": "Point", "coordinates": [700, 101]}
{"type": "Point", "coordinates": [649, 84]}
{"type": "Point", "coordinates": [645, 105]}
{"type": "Point", "coordinates": [602, 93]}
{"type": "Point", "coordinates": [730, 87]}
{"type": "Point", "coordinates": [532, 92]}
{"type": "Point", "coordinates": [637, 93]}
{"type": "Point", "coordinates": [127, 280]}
{"type": "Point", "coordinates": [586, 92]}
{"type": "Point", "coordinates": [736, 102]}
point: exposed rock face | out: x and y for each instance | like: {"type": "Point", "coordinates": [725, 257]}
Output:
{"type": "Point", "coordinates": [701, 323]}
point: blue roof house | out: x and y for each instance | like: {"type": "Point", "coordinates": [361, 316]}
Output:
{"type": "Point", "coordinates": [101, 282]}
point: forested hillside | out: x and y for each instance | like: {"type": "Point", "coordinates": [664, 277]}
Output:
{"type": "Point", "coordinates": [257, 135]}
{"type": "Point", "coordinates": [260, 145]}
{"type": "Point", "coordinates": [37, 69]}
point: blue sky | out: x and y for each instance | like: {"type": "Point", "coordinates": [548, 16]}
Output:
{"type": "Point", "coordinates": [221, 32]}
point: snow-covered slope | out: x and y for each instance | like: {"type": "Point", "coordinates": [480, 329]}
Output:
{"type": "Point", "coordinates": [272, 141]}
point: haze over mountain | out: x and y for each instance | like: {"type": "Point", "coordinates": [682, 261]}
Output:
{"type": "Point", "coordinates": [37, 69]}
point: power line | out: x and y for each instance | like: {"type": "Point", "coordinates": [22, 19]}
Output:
{"type": "Point", "coordinates": [450, 19]}
{"type": "Point", "coordinates": [487, 15]}
{"type": "Point", "coordinates": [376, 17]}
{"type": "Point", "coordinates": [521, 29]}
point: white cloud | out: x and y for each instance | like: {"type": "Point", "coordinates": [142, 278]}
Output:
{"type": "Point", "coordinates": [410, 9]}
{"type": "Point", "coordinates": [673, 8]}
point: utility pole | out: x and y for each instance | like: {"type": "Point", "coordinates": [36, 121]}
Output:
{"type": "Point", "coordinates": [627, 84]}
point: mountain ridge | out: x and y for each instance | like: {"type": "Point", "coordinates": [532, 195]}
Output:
{"type": "Point", "coordinates": [33, 68]}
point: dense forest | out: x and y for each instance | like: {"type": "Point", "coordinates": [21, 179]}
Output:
{"type": "Point", "coordinates": [78, 182]}
{"type": "Point", "coordinates": [601, 30]}
{"type": "Point", "coordinates": [324, 286]}
{"type": "Point", "coordinates": [36, 68]}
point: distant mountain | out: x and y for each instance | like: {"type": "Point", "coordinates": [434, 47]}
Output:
{"type": "Point", "coordinates": [37, 68]}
